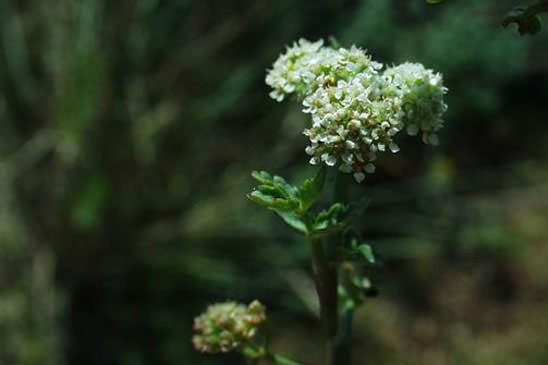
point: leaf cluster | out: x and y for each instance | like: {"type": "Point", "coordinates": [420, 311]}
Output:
{"type": "Point", "coordinates": [293, 203]}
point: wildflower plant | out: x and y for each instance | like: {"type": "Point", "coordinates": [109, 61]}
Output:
{"type": "Point", "coordinates": [358, 109]}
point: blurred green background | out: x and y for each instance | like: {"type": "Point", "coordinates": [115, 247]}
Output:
{"type": "Point", "coordinates": [127, 133]}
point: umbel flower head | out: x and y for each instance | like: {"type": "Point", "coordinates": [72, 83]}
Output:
{"type": "Point", "coordinates": [226, 327]}
{"type": "Point", "coordinates": [357, 110]}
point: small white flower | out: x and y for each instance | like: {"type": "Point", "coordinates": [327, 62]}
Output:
{"type": "Point", "coordinates": [369, 168]}
{"type": "Point", "coordinates": [331, 160]}
{"type": "Point", "coordinates": [412, 129]}
{"type": "Point", "coordinates": [433, 139]}
{"type": "Point", "coordinates": [345, 168]}
{"type": "Point", "coordinates": [359, 176]}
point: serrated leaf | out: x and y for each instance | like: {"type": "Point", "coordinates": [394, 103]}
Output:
{"type": "Point", "coordinates": [311, 188]}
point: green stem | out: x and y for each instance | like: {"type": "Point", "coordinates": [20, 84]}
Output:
{"type": "Point", "coordinates": [326, 287]}
{"type": "Point", "coordinates": [341, 346]}
{"type": "Point", "coordinates": [326, 279]}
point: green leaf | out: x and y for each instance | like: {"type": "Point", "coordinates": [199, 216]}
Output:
{"type": "Point", "coordinates": [269, 201]}
{"type": "Point", "coordinates": [274, 192]}
{"type": "Point", "coordinates": [293, 221]}
{"type": "Point", "coordinates": [262, 176]}
{"type": "Point", "coordinates": [366, 251]}
{"type": "Point", "coordinates": [434, 1]}
{"type": "Point", "coordinates": [361, 282]}
{"type": "Point", "coordinates": [310, 189]}
{"type": "Point", "coordinates": [331, 220]}
{"type": "Point", "coordinates": [281, 197]}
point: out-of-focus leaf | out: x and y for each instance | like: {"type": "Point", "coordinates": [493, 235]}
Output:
{"type": "Point", "coordinates": [361, 282]}
{"type": "Point", "coordinates": [262, 176]}
{"type": "Point", "coordinates": [89, 203]}
{"type": "Point", "coordinates": [526, 18]}
{"type": "Point", "coordinates": [366, 252]}
{"type": "Point", "coordinates": [434, 1]}
{"type": "Point", "coordinates": [331, 220]}
{"type": "Point", "coordinates": [362, 251]}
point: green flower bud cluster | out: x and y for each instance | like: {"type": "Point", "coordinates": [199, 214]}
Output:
{"type": "Point", "coordinates": [357, 109]}
{"type": "Point", "coordinates": [226, 327]}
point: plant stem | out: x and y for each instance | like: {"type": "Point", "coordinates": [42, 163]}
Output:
{"type": "Point", "coordinates": [326, 287]}
{"type": "Point", "coordinates": [327, 283]}
{"type": "Point", "coordinates": [341, 347]}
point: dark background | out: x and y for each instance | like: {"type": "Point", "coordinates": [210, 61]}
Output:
{"type": "Point", "coordinates": [127, 133]}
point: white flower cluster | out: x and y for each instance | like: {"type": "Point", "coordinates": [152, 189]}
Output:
{"type": "Point", "coordinates": [422, 93]}
{"type": "Point", "coordinates": [356, 109]}
{"type": "Point", "coordinates": [307, 66]}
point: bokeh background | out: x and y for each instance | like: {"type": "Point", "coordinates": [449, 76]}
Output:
{"type": "Point", "coordinates": [127, 133]}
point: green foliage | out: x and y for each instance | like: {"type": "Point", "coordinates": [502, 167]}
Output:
{"type": "Point", "coordinates": [526, 18]}
{"type": "Point", "coordinates": [89, 203]}
{"type": "Point", "coordinates": [294, 221]}
{"type": "Point", "coordinates": [291, 203]}
{"type": "Point", "coordinates": [331, 220]}
{"type": "Point", "coordinates": [311, 189]}
{"type": "Point", "coordinates": [275, 193]}
{"type": "Point", "coordinates": [363, 251]}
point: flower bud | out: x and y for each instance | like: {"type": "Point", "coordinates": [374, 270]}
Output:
{"type": "Point", "coordinates": [226, 327]}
